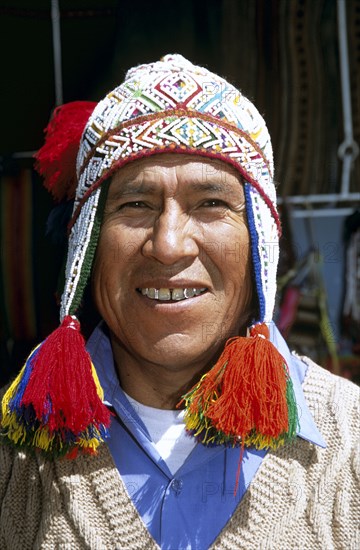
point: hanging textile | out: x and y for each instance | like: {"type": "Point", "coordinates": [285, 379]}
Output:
{"type": "Point", "coordinates": [18, 316]}
{"type": "Point", "coordinates": [29, 268]}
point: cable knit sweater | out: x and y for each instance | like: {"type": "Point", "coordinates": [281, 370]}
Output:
{"type": "Point", "coordinates": [302, 497]}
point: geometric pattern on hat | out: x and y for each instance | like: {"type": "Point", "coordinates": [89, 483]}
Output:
{"type": "Point", "coordinates": [175, 106]}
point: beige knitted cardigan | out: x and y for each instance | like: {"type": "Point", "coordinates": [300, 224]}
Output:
{"type": "Point", "coordinates": [302, 497]}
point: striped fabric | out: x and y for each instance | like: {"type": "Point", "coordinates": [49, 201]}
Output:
{"type": "Point", "coordinates": [18, 315]}
{"type": "Point", "coordinates": [290, 68]}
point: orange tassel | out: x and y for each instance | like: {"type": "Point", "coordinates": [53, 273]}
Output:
{"type": "Point", "coordinates": [246, 398]}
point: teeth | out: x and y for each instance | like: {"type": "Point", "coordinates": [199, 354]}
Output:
{"type": "Point", "coordinates": [176, 294]}
{"type": "Point", "coordinates": [189, 292]}
{"type": "Point", "coordinates": [164, 294]}
{"type": "Point", "coordinates": [153, 293]}
{"type": "Point", "coordinates": [199, 291]}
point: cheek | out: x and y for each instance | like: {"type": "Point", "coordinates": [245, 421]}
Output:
{"type": "Point", "coordinates": [104, 256]}
{"type": "Point", "coordinates": [100, 281]}
{"type": "Point", "coordinates": [229, 247]}
{"type": "Point", "coordinates": [242, 268]}
{"type": "Point", "coordinates": [115, 248]}
{"type": "Point", "coordinates": [233, 260]}
{"type": "Point", "coordinates": [110, 248]}
{"type": "Point", "coordinates": [108, 254]}
{"type": "Point", "coordinates": [116, 258]}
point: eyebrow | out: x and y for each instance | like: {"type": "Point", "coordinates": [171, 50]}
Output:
{"type": "Point", "coordinates": [208, 186]}
{"type": "Point", "coordinates": [131, 187]}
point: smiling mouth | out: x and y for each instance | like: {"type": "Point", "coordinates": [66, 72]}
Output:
{"type": "Point", "coordinates": [171, 294]}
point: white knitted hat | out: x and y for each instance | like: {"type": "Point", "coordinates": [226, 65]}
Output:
{"type": "Point", "coordinates": [177, 107]}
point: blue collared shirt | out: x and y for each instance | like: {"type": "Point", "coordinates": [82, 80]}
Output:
{"type": "Point", "coordinates": [185, 511]}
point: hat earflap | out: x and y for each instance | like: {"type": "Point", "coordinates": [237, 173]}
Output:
{"type": "Point", "coordinates": [55, 404]}
{"type": "Point", "coordinates": [247, 398]}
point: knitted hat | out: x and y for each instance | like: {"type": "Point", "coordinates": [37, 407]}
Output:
{"type": "Point", "coordinates": [170, 106]}
{"type": "Point", "coordinates": [173, 106]}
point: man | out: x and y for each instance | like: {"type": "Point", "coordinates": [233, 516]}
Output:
{"type": "Point", "coordinates": [219, 437]}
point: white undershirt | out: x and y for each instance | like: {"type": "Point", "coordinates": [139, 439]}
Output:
{"type": "Point", "coordinates": [167, 432]}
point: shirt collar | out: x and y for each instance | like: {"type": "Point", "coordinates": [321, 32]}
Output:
{"type": "Point", "coordinates": [297, 369]}
{"type": "Point", "coordinates": [100, 351]}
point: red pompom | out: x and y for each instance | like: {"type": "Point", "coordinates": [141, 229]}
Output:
{"type": "Point", "coordinates": [56, 160]}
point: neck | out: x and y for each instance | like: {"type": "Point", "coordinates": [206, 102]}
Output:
{"type": "Point", "coordinates": [153, 384]}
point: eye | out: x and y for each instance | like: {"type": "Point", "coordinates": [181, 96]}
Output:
{"type": "Point", "coordinates": [133, 204]}
{"type": "Point", "coordinates": [214, 203]}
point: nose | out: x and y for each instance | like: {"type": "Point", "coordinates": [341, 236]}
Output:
{"type": "Point", "coordinates": [172, 238]}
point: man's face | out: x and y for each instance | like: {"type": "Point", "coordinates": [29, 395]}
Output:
{"type": "Point", "coordinates": [172, 273]}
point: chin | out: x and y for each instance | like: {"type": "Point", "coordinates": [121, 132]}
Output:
{"type": "Point", "coordinates": [175, 351]}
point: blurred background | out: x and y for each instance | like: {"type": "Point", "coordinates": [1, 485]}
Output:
{"type": "Point", "coordinates": [298, 60]}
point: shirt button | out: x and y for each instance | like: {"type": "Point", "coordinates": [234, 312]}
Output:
{"type": "Point", "coordinates": [176, 485]}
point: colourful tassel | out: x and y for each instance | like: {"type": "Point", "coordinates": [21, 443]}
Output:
{"type": "Point", "coordinates": [56, 160]}
{"type": "Point", "coordinates": [55, 403]}
{"type": "Point", "coordinates": [247, 398]}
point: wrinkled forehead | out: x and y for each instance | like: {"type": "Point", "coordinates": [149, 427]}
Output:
{"type": "Point", "coordinates": [174, 106]}
{"type": "Point", "coordinates": [189, 173]}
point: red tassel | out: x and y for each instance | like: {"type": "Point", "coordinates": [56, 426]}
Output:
{"type": "Point", "coordinates": [56, 160]}
{"type": "Point", "coordinates": [61, 388]}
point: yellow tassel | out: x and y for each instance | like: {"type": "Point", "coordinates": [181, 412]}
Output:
{"type": "Point", "coordinates": [14, 430]}
{"type": "Point", "coordinates": [91, 444]}
{"type": "Point", "coordinates": [9, 394]}
{"type": "Point", "coordinates": [99, 389]}
{"type": "Point", "coordinates": [43, 440]}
